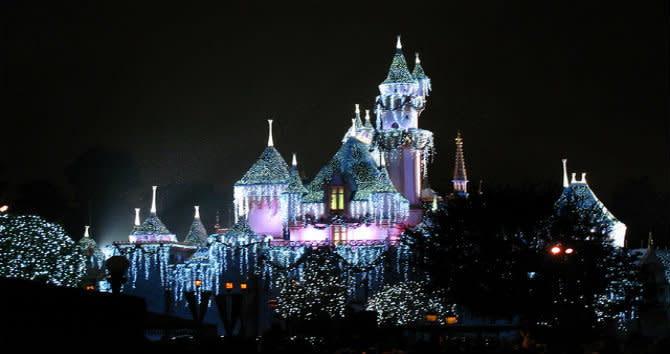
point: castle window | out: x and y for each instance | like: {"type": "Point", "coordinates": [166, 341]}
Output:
{"type": "Point", "coordinates": [339, 234]}
{"type": "Point", "coordinates": [337, 198]}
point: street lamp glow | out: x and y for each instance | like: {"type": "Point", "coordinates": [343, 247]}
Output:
{"type": "Point", "coordinates": [569, 251]}
{"type": "Point", "coordinates": [555, 250]}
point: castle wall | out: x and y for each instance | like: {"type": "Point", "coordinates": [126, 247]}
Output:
{"type": "Point", "coordinates": [265, 217]}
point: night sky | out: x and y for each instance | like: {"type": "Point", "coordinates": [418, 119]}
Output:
{"type": "Point", "coordinates": [185, 92]}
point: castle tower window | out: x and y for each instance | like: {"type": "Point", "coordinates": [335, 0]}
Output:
{"type": "Point", "coordinates": [337, 198]}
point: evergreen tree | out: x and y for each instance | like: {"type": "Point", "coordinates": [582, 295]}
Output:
{"type": "Point", "coordinates": [584, 283]}
{"type": "Point", "coordinates": [320, 291]}
{"type": "Point", "coordinates": [32, 248]}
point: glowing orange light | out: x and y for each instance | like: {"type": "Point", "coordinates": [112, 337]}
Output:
{"type": "Point", "coordinates": [243, 286]}
{"type": "Point", "coordinates": [4, 208]}
{"type": "Point", "coordinates": [555, 250]}
{"type": "Point", "coordinates": [90, 287]}
{"type": "Point", "coordinates": [229, 285]}
{"type": "Point", "coordinates": [451, 320]}
{"type": "Point", "coordinates": [272, 302]}
{"type": "Point", "coordinates": [431, 318]}
{"type": "Point", "coordinates": [569, 251]}
{"type": "Point", "coordinates": [198, 283]}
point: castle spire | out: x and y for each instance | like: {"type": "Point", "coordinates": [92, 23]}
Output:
{"type": "Point", "coordinates": [270, 142]}
{"type": "Point", "coordinates": [153, 201]}
{"type": "Point", "coordinates": [137, 216]}
{"type": "Point", "coordinates": [398, 72]}
{"type": "Point", "coordinates": [398, 45]}
{"type": "Point", "coordinates": [197, 212]}
{"type": "Point", "coordinates": [565, 173]}
{"type": "Point", "coordinates": [294, 161]}
{"type": "Point", "coordinates": [86, 231]}
{"type": "Point", "coordinates": [358, 117]}
{"type": "Point", "coordinates": [368, 124]}
{"type": "Point", "coordinates": [460, 180]}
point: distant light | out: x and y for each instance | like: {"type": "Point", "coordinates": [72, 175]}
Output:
{"type": "Point", "coordinates": [198, 283]}
{"type": "Point", "coordinates": [89, 287]}
{"type": "Point", "coordinates": [431, 318]}
{"type": "Point", "coordinates": [451, 320]}
{"type": "Point", "coordinates": [569, 251]}
{"type": "Point", "coordinates": [229, 286]}
{"type": "Point", "coordinates": [243, 286]}
{"type": "Point", "coordinates": [272, 303]}
{"type": "Point", "coordinates": [4, 208]}
{"type": "Point", "coordinates": [555, 250]}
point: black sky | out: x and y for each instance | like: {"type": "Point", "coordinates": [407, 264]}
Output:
{"type": "Point", "coordinates": [187, 89]}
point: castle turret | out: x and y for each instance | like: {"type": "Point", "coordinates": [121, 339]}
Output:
{"type": "Point", "coordinates": [258, 193]}
{"type": "Point", "coordinates": [197, 234]}
{"type": "Point", "coordinates": [398, 137]}
{"type": "Point", "coordinates": [460, 180]}
{"type": "Point", "coordinates": [152, 229]}
{"type": "Point", "coordinates": [293, 195]}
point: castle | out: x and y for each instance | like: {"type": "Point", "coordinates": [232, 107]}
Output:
{"type": "Point", "coordinates": [359, 203]}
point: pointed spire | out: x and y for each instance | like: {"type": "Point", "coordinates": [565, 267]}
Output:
{"type": "Point", "coordinates": [398, 72]}
{"type": "Point", "coordinates": [418, 72]}
{"type": "Point", "coordinates": [460, 180]}
{"type": "Point", "coordinates": [574, 178]}
{"type": "Point", "coordinates": [153, 201]}
{"type": "Point", "coordinates": [368, 124]}
{"type": "Point", "coordinates": [197, 212]}
{"type": "Point", "coordinates": [294, 161]}
{"type": "Point", "coordinates": [565, 173]}
{"type": "Point", "coordinates": [358, 116]}
{"type": "Point", "coordinates": [86, 231]}
{"type": "Point", "coordinates": [270, 142]}
{"type": "Point", "coordinates": [137, 216]}
{"type": "Point", "coordinates": [583, 177]}
{"type": "Point", "coordinates": [650, 242]}
{"type": "Point", "coordinates": [353, 126]}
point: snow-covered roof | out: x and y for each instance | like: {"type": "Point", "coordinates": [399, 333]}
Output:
{"type": "Point", "coordinates": [356, 167]}
{"type": "Point", "coordinates": [270, 168]}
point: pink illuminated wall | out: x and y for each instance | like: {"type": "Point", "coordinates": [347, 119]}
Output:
{"type": "Point", "coordinates": [265, 218]}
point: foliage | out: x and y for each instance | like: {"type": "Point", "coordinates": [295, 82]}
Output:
{"type": "Point", "coordinates": [31, 248]}
{"type": "Point", "coordinates": [477, 263]}
{"type": "Point", "coordinates": [594, 286]}
{"type": "Point", "coordinates": [319, 291]}
{"type": "Point", "coordinates": [407, 303]}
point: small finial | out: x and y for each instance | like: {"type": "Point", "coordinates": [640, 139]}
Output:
{"type": "Point", "coordinates": [583, 177]}
{"type": "Point", "coordinates": [574, 178]}
{"type": "Point", "coordinates": [153, 201]}
{"type": "Point", "coordinates": [294, 162]}
{"type": "Point", "coordinates": [398, 45]}
{"type": "Point", "coordinates": [367, 116]}
{"type": "Point", "coordinates": [434, 208]}
{"type": "Point", "coordinates": [137, 216]}
{"type": "Point", "coordinates": [270, 142]}
{"type": "Point", "coordinates": [197, 212]}
{"type": "Point", "coordinates": [565, 173]}
{"type": "Point", "coordinates": [651, 240]}
{"type": "Point", "coordinates": [358, 111]}
{"type": "Point", "coordinates": [86, 231]}
{"type": "Point", "coordinates": [353, 126]}
{"type": "Point", "coordinates": [417, 60]}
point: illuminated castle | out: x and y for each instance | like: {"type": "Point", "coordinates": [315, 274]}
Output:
{"type": "Point", "coordinates": [370, 189]}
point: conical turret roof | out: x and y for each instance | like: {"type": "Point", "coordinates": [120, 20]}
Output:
{"type": "Point", "coordinates": [270, 168]}
{"type": "Point", "coordinates": [295, 185]}
{"type": "Point", "coordinates": [398, 72]}
{"type": "Point", "coordinates": [152, 225]}
{"type": "Point", "coordinates": [197, 234]}
{"type": "Point", "coordinates": [418, 72]}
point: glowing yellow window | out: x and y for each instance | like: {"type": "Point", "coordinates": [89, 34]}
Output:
{"type": "Point", "coordinates": [336, 198]}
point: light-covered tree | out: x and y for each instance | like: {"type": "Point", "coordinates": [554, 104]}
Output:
{"type": "Point", "coordinates": [32, 248]}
